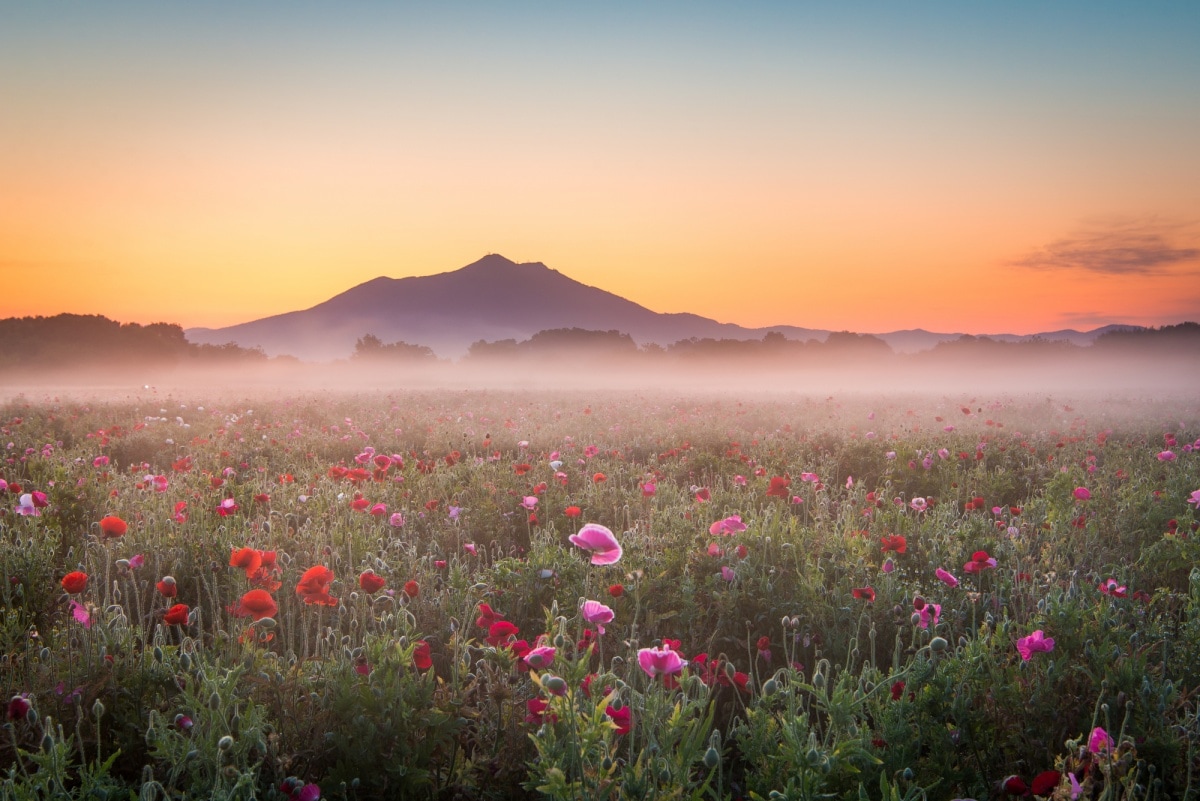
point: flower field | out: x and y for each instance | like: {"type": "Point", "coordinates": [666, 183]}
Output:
{"type": "Point", "coordinates": [473, 595]}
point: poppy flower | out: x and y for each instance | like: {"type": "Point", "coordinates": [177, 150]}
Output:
{"type": "Point", "coordinates": [412, 588]}
{"type": "Point", "coordinates": [897, 690]}
{"type": "Point", "coordinates": [660, 661]}
{"type": "Point", "coordinates": [177, 615]}
{"type": "Point", "coordinates": [622, 718]}
{"type": "Point", "coordinates": [1111, 587]}
{"type": "Point", "coordinates": [599, 478]}
{"type": "Point", "coordinates": [540, 657]}
{"type": "Point", "coordinates": [248, 559]}
{"type": "Point", "coordinates": [729, 526]}
{"type": "Point", "coordinates": [1082, 494]}
{"type": "Point", "coordinates": [112, 526]}
{"type": "Point", "coordinates": [946, 577]}
{"type": "Point", "coordinates": [256, 604]}
{"type": "Point", "coordinates": [894, 542]}
{"type": "Point", "coordinates": [536, 712]}
{"type": "Point", "coordinates": [1100, 741]}
{"type": "Point", "coordinates": [980, 561]}
{"type": "Point", "coordinates": [778, 487]}
{"type": "Point", "coordinates": [616, 590]}
{"type": "Point", "coordinates": [18, 707]}
{"type": "Point", "coordinates": [764, 648]}
{"type": "Point", "coordinates": [866, 593]}
{"type": "Point", "coordinates": [422, 658]}
{"type": "Point", "coordinates": [313, 586]}
{"type": "Point", "coordinates": [703, 495]}
{"type": "Point", "coordinates": [501, 632]}
{"type": "Point", "coordinates": [227, 507]}
{"type": "Point", "coordinates": [74, 582]}
{"type": "Point", "coordinates": [369, 581]}
{"type": "Point", "coordinates": [596, 612]}
{"type": "Point", "coordinates": [166, 587]}
{"type": "Point", "coordinates": [600, 541]}
{"type": "Point", "coordinates": [572, 511]}
{"type": "Point", "coordinates": [1028, 646]}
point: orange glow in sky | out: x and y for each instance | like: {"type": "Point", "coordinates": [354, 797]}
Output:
{"type": "Point", "coordinates": [864, 167]}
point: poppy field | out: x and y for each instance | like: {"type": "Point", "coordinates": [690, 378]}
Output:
{"type": "Point", "coordinates": [475, 595]}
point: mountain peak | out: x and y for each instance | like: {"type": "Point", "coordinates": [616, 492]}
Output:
{"type": "Point", "coordinates": [491, 261]}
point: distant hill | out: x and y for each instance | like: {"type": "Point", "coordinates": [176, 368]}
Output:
{"type": "Point", "coordinates": [496, 299]}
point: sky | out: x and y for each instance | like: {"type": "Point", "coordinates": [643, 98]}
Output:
{"type": "Point", "coordinates": [867, 166]}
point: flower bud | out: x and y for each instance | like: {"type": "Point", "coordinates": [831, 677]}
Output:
{"type": "Point", "coordinates": [225, 743]}
{"type": "Point", "coordinates": [712, 758]}
{"type": "Point", "coordinates": [938, 644]}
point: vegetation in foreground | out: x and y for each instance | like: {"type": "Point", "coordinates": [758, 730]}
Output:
{"type": "Point", "coordinates": [466, 595]}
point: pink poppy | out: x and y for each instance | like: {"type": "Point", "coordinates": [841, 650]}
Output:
{"type": "Point", "coordinates": [946, 577]}
{"type": "Point", "coordinates": [1099, 741]}
{"type": "Point", "coordinates": [540, 657]}
{"type": "Point", "coordinates": [729, 526]}
{"type": "Point", "coordinates": [596, 612]}
{"type": "Point", "coordinates": [929, 613]}
{"type": "Point", "coordinates": [1028, 646]}
{"type": "Point", "coordinates": [600, 541]}
{"type": "Point", "coordinates": [1083, 494]}
{"type": "Point", "coordinates": [661, 661]}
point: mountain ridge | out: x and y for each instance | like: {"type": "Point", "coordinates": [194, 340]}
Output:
{"type": "Point", "coordinates": [495, 298]}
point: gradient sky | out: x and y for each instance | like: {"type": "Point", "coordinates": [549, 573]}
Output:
{"type": "Point", "coordinates": [986, 168]}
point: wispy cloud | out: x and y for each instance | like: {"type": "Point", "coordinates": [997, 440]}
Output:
{"type": "Point", "coordinates": [1116, 247]}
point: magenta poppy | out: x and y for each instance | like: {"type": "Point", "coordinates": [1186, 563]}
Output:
{"type": "Point", "coordinates": [596, 612]}
{"type": "Point", "coordinates": [1034, 643]}
{"type": "Point", "coordinates": [600, 541]}
{"type": "Point", "coordinates": [660, 661]}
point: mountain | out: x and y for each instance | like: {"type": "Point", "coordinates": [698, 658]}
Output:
{"type": "Point", "coordinates": [491, 299]}
{"type": "Point", "coordinates": [495, 299]}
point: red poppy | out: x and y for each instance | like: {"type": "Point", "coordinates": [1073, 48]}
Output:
{"type": "Point", "coordinates": [177, 615]}
{"type": "Point", "coordinates": [248, 559]}
{"type": "Point", "coordinates": [895, 542]}
{"type": "Point", "coordinates": [166, 587]}
{"type": "Point", "coordinates": [616, 590]}
{"type": "Point", "coordinates": [521, 469]}
{"type": "Point", "coordinates": [313, 586]}
{"type": "Point", "coordinates": [256, 604]}
{"type": "Point", "coordinates": [897, 690]}
{"type": "Point", "coordinates": [112, 526]}
{"type": "Point", "coordinates": [599, 478]}
{"type": "Point", "coordinates": [74, 582]}
{"type": "Point", "coordinates": [501, 632]}
{"type": "Point", "coordinates": [412, 588]}
{"type": "Point", "coordinates": [537, 713]}
{"type": "Point", "coordinates": [487, 616]}
{"type": "Point", "coordinates": [18, 707]}
{"type": "Point", "coordinates": [1045, 782]}
{"type": "Point", "coordinates": [622, 718]}
{"type": "Point", "coordinates": [779, 487]}
{"type": "Point", "coordinates": [572, 511]}
{"type": "Point", "coordinates": [421, 656]}
{"type": "Point", "coordinates": [370, 581]}
{"type": "Point", "coordinates": [866, 593]}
